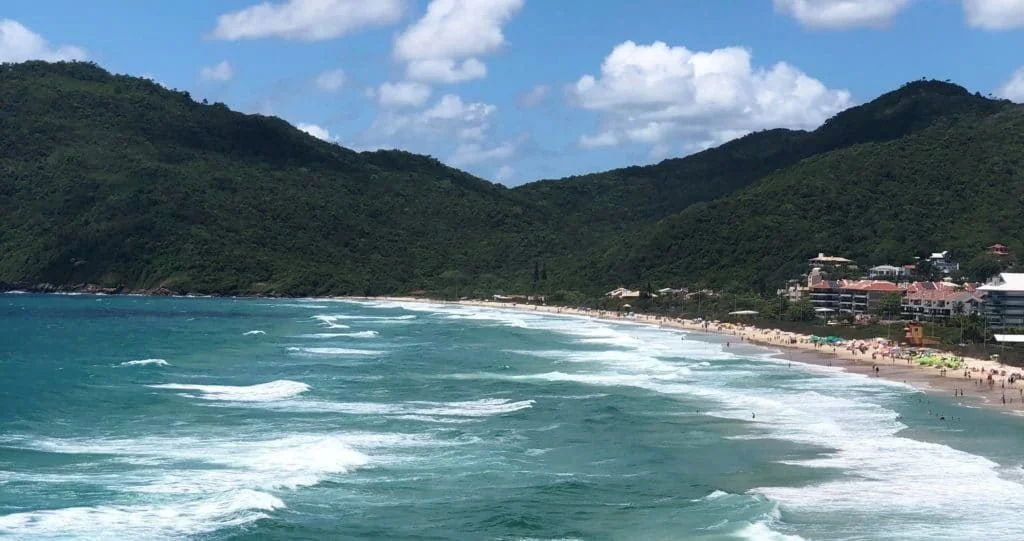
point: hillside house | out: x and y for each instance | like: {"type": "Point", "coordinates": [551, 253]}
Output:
{"type": "Point", "coordinates": [942, 262]}
{"type": "Point", "coordinates": [889, 272]}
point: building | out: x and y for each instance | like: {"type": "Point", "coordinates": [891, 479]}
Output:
{"type": "Point", "coordinates": [795, 290]}
{"type": "Point", "coordinates": [823, 261]}
{"type": "Point", "coordinates": [998, 250]}
{"type": "Point", "coordinates": [1004, 301]}
{"type": "Point", "coordinates": [888, 271]}
{"type": "Point", "coordinates": [942, 263]}
{"type": "Point", "coordinates": [850, 296]}
{"type": "Point", "coordinates": [623, 293]}
{"type": "Point", "coordinates": [929, 301]}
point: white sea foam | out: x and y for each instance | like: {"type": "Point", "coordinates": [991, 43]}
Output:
{"type": "Point", "coordinates": [145, 362]}
{"type": "Point", "coordinates": [331, 322]}
{"type": "Point", "coordinates": [713, 496]}
{"type": "Point", "coordinates": [192, 517]}
{"type": "Point", "coordinates": [357, 334]}
{"type": "Point", "coordinates": [424, 410]}
{"type": "Point", "coordinates": [253, 333]}
{"type": "Point", "coordinates": [176, 498]}
{"type": "Point", "coordinates": [263, 392]}
{"type": "Point", "coordinates": [302, 305]}
{"type": "Point", "coordinates": [760, 531]}
{"type": "Point", "coordinates": [953, 491]}
{"type": "Point", "coordinates": [334, 352]}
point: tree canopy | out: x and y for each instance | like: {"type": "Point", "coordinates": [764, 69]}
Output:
{"type": "Point", "coordinates": [118, 181]}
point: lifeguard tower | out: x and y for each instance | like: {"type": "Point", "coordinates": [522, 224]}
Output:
{"type": "Point", "coordinates": [915, 335]}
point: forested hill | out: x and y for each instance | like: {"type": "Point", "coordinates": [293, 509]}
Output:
{"type": "Point", "coordinates": [957, 185]}
{"type": "Point", "coordinates": [650, 193]}
{"type": "Point", "coordinates": [117, 181]}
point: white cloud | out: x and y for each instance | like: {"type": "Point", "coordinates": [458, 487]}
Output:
{"type": "Point", "coordinates": [504, 173]}
{"type": "Point", "coordinates": [404, 94]}
{"type": "Point", "coordinates": [534, 96]}
{"type": "Point", "coordinates": [473, 153]}
{"type": "Point", "coordinates": [445, 70]}
{"type": "Point", "coordinates": [603, 139]}
{"type": "Point", "coordinates": [18, 44]}
{"type": "Point", "coordinates": [308, 20]}
{"type": "Point", "coordinates": [449, 118]}
{"type": "Point", "coordinates": [220, 73]}
{"type": "Point", "coordinates": [331, 80]}
{"type": "Point", "coordinates": [653, 94]}
{"type": "Point", "coordinates": [995, 14]}
{"type": "Point", "coordinates": [835, 14]}
{"type": "Point", "coordinates": [1013, 90]}
{"type": "Point", "coordinates": [454, 30]}
{"type": "Point", "coordinates": [457, 29]}
{"type": "Point", "coordinates": [315, 130]}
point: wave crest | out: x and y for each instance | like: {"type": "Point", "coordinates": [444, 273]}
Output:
{"type": "Point", "coordinates": [263, 392]}
{"type": "Point", "coordinates": [145, 362]}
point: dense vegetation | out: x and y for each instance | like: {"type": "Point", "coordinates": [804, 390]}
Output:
{"type": "Point", "coordinates": [117, 181]}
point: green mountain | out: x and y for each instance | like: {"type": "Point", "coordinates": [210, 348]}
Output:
{"type": "Point", "coordinates": [954, 185]}
{"type": "Point", "coordinates": [116, 181]}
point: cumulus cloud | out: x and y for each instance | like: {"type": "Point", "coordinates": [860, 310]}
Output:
{"type": "Point", "coordinates": [995, 14]}
{"type": "Point", "coordinates": [307, 20]}
{"type": "Point", "coordinates": [653, 94]}
{"type": "Point", "coordinates": [445, 70]}
{"type": "Point", "coordinates": [453, 31]}
{"type": "Point", "coordinates": [316, 131]}
{"type": "Point", "coordinates": [18, 44]}
{"type": "Point", "coordinates": [404, 94]}
{"type": "Point", "coordinates": [603, 139]}
{"type": "Point", "coordinates": [472, 153]}
{"type": "Point", "coordinates": [1013, 89]}
{"type": "Point", "coordinates": [534, 96]}
{"type": "Point", "coordinates": [835, 14]}
{"type": "Point", "coordinates": [504, 173]}
{"type": "Point", "coordinates": [331, 80]}
{"type": "Point", "coordinates": [220, 73]}
{"type": "Point", "coordinates": [450, 117]}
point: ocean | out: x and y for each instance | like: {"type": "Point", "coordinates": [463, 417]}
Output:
{"type": "Point", "coordinates": [217, 419]}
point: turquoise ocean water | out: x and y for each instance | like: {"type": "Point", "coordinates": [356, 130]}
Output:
{"type": "Point", "coordinates": [163, 418]}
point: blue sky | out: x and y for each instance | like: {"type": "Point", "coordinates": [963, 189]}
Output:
{"type": "Point", "coordinates": [521, 90]}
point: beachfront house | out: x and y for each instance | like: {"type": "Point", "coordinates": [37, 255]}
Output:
{"type": "Point", "coordinates": [623, 293]}
{"type": "Point", "coordinates": [1004, 301]}
{"type": "Point", "coordinates": [930, 301]}
{"type": "Point", "coordinates": [890, 272]}
{"type": "Point", "coordinates": [850, 296]}
{"type": "Point", "coordinates": [943, 263]}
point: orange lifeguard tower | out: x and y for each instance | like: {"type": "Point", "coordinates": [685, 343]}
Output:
{"type": "Point", "coordinates": [914, 333]}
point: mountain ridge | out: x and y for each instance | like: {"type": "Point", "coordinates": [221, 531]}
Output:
{"type": "Point", "coordinates": [117, 181]}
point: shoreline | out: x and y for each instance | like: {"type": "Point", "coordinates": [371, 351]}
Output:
{"type": "Point", "coordinates": [964, 385]}
{"type": "Point", "coordinates": [969, 390]}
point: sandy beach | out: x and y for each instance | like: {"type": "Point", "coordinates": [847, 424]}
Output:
{"type": "Point", "coordinates": [970, 384]}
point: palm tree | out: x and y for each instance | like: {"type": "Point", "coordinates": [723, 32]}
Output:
{"type": "Point", "coordinates": [958, 311]}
